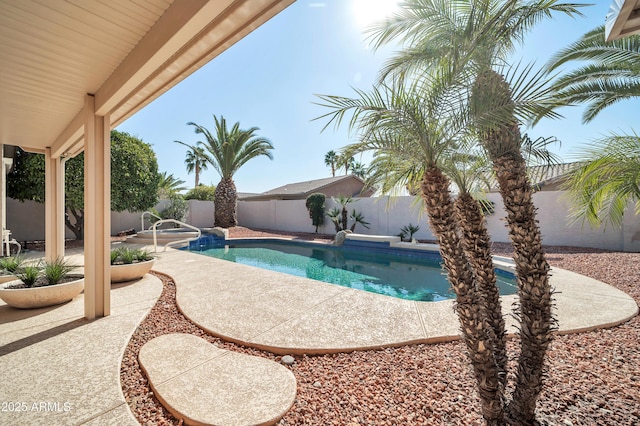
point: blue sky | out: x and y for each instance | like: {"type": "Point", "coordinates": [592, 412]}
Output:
{"type": "Point", "coordinates": [269, 78]}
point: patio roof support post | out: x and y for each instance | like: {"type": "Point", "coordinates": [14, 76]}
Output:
{"type": "Point", "coordinates": [3, 201]}
{"type": "Point", "coordinates": [97, 212]}
{"type": "Point", "coordinates": [54, 206]}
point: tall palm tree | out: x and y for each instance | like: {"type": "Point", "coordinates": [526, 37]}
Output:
{"type": "Point", "coordinates": [195, 161]}
{"type": "Point", "coordinates": [359, 170]}
{"type": "Point", "coordinates": [470, 40]}
{"type": "Point", "coordinates": [347, 161]}
{"type": "Point", "coordinates": [611, 74]}
{"type": "Point", "coordinates": [227, 150]}
{"type": "Point", "coordinates": [331, 160]}
{"type": "Point", "coordinates": [411, 132]}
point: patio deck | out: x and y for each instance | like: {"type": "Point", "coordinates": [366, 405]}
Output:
{"type": "Point", "coordinates": [66, 369]}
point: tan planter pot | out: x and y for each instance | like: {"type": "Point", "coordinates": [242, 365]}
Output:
{"type": "Point", "coordinates": [7, 278]}
{"type": "Point", "coordinates": [40, 297]}
{"type": "Point", "coordinates": [130, 271]}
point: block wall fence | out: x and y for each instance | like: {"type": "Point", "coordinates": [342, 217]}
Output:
{"type": "Point", "coordinates": [386, 216]}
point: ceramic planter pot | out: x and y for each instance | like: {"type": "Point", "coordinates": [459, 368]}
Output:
{"type": "Point", "coordinates": [130, 271]}
{"type": "Point", "coordinates": [7, 278]}
{"type": "Point", "coordinates": [40, 297]}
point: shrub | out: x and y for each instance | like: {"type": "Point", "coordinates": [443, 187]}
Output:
{"type": "Point", "coordinates": [201, 193]}
{"type": "Point", "coordinates": [315, 206]}
{"type": "Point", "coordinates": [177, 209]}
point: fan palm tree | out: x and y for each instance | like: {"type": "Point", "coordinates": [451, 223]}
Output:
{"type": "Point", "coordinates": [331, 160]}
{"type": "Point", "coordinates": [195, 161]}
{"type": "Point", "coordinates": [227, 150]}
{"type": "Point", "coordinates": [470, 41]}
{"type": "Point", "coordinates": [359, 170]}
{"type": "Point", "coordinates": [411, 132]}
{"type": "Point", "coordinates": [611, 74]}
{"type": "Point", "coordinates": [347, 161]}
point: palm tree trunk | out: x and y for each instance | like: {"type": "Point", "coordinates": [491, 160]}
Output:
{"type": "Point", "coordinates": [225, 202]}
{"type": "Point", "coordinates": [197, 172]}
{"type": "Point", "coordinates": [442, 219]}
{"type": "Point", "coordinates": [477, 247]}
{"type": "Point", "coordinates": [533, 286]}
{"type": "Point", "coordinates": [502, 142]}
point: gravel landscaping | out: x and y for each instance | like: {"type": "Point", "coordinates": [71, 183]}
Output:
{"type": "Point", "coordinates": [593, 377]}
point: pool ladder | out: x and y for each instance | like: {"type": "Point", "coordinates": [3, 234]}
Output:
{"type": "Point", "coordinates": [185, 240]}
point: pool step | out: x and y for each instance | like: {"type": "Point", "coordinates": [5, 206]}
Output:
{"type": "Point", "coordinates": [163, 236]}
{"type": "Point", "coordinates": [205, 385]}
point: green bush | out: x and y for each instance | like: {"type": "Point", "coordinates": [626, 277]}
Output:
{"type": "Point", "coordinates": [315, 206]}
{"type": "Point", "coordinates": [201, 193]}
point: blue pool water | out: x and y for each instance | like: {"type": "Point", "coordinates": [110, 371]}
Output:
{"type": "Point", "coordinates": [409, 276]}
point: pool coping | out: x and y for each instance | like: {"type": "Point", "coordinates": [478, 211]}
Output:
{"type": "Point", "coordinates": [292, 315]}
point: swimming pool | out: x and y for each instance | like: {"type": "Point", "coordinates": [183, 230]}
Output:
{"type": "Point", "coordinates": [405, 275]}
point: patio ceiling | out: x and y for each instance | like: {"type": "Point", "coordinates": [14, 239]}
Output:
{"type": "Point", "coordinates": [124, 52]}
{"type": "Point", "coordinates": [623, 19]}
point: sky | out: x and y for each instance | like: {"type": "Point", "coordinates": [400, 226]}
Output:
{"type": "Point", "coordinates": [270, 78]}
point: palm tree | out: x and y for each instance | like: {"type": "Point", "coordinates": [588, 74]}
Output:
{"type": "Point", "coordinates": [607, 178]}
{"type": "Point", "coordinates": [331, 160]}
{"type": "Point", "coordinates": [411, 132]}
{"type": "Point", "coordinates": [612, 72]}
{"type": "Point", "coordinates": [359, 170]}
{"type": "Point", "coordinates": [470, 40]}
{"type": "Point", "coordinates": [195, 161]}
{"type": "Point", "coordinates": [344, 201]}
{"type": "Point", "coordinates": [347, 161]}
{"type": "Point", "coordinates": [227, 150]}
{"type": "Point", "coordinates": [169, 185]}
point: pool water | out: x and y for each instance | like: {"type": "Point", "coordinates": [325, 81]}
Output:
{"type": "Point", "coordinates": [405, 277]}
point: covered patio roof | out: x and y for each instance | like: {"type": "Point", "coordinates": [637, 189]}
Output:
{"type": "Point", "coordinates": [125, 53]}
{"type": "Point", "coordinates": [623, 19]}
{"type": "Point", "coordinates": [72, 70]}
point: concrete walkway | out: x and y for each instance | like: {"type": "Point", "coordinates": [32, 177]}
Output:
{"type": "Point", "coordinates": [58, 368]}
{"type": "Point", "coordinates": [292, 315]}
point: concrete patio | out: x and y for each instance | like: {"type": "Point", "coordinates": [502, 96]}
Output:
{"type": "Point", "coordinates": [58, 368]}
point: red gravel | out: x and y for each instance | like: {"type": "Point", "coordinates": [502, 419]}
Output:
{"type": "Point", "coordinates": [593, 378]}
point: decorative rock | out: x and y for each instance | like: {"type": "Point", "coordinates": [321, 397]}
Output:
{"type": "Point", "coordinates": [288, 360]}
{"type": "Point", "coordinates": [340, 237]}
{"type": "Point", "coordinates": [317, 384]}
{"type": "Point", "coordinates": [220, 232]}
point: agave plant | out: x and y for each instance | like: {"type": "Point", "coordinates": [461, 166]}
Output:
{"type": "Point", "coordinates": [56, 270]}
{"type": "Point", "coordinates": [29, 274]}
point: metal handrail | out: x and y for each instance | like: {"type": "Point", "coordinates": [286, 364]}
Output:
{"type": "Point", "coordinates": [142, 219]}
{"type": "Point", "coordinates": [186, 240]}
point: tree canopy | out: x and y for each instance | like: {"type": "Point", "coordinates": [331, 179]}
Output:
{"type": "Point", "coordinates": [134, 179]}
